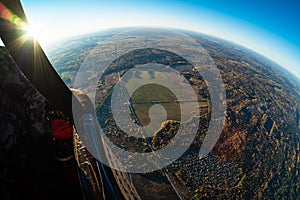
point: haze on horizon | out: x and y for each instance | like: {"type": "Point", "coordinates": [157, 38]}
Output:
{"type": "Point", "coordinates": [271, 30]}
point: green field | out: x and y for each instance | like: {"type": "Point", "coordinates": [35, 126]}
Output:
{"type": "Point", "coordinates": [142, 111]}
{"type": "Point", "coordinates": [150, 94]}
{"type": "Point", "coordinates": [153, 92]}
{"type": "Point", "coordinates": [145, 77]}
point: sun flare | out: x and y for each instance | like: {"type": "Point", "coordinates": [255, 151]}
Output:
{"type": "Point", "coordinates": [31, 31]}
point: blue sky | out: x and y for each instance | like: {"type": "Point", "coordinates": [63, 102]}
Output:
{"type": "Point", "coordinates": [270, 27]}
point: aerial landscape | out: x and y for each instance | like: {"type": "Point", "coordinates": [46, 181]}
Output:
{"type": "Point", "coordinates": [261, 128]}
{"type": "Point", "coordinates": [149, 100]}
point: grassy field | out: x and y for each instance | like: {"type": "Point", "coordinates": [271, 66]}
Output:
{"type": "Point", "coordinates": [166, 80]}
{"type": "Point", "coordinates": [153, 93]}
{"type": "Point", "coordinates": [172, 110]}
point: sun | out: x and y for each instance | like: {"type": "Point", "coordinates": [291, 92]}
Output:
{"type": "Point", "coordinates": [34, 32]}
{"type": "Point", "coordinates": [31, 31]}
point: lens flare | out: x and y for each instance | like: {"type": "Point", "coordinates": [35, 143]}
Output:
{"type": "Point", "coordinates": [31, 31]}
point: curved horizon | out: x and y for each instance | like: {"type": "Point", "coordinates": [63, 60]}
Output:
{"type": "Point", "coordinates": [272, 33]}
